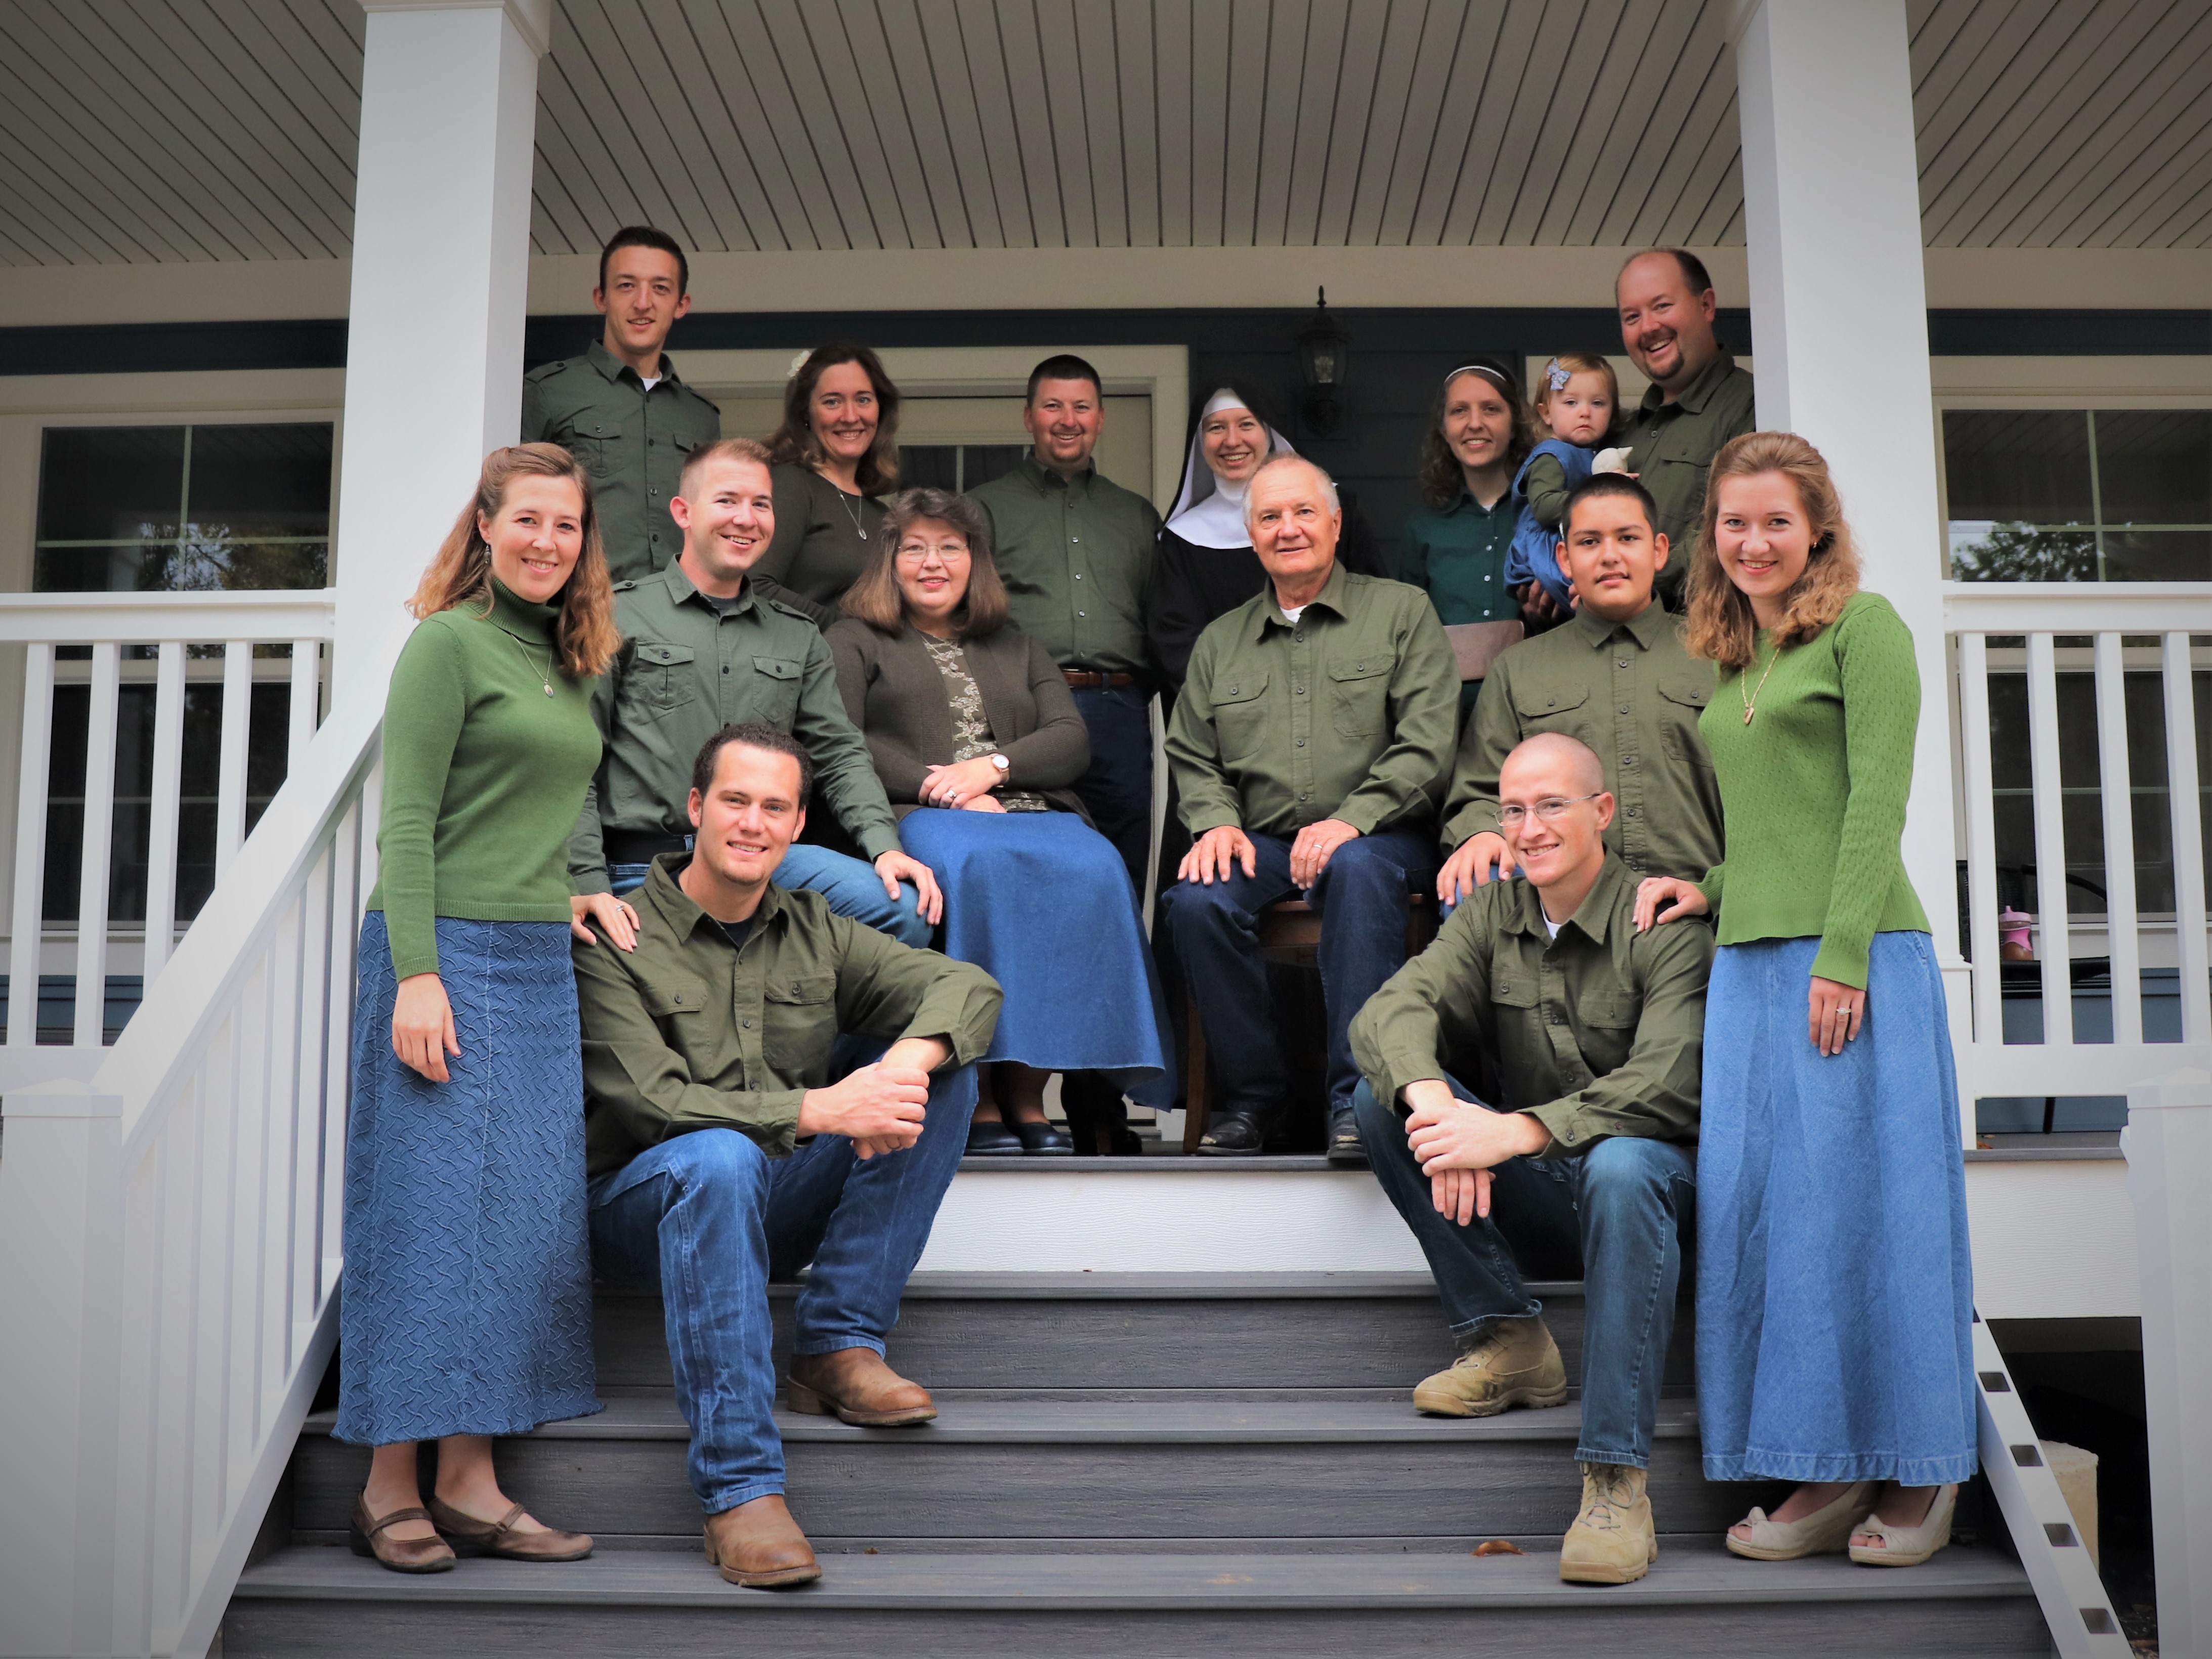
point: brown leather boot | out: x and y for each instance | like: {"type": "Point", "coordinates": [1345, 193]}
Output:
{"type": "Point", "coordinates": [855, 1386]}
{"type": "Point", "coordinates": [759, 1546]}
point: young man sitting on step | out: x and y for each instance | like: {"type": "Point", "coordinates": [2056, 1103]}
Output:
{"type": "Point", "coordinates": [721, 1155]}
{"type": "Point", "coordinates": [1593, 1036]}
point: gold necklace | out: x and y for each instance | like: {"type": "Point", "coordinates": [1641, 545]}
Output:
{"type": "Point", "coordinates": [1751, 698]}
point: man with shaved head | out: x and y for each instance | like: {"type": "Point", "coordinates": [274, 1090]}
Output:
{"type": "Point", "coordinates": [1310, 747]}
{"type": "Point", "coordinates": [1578, 1160]}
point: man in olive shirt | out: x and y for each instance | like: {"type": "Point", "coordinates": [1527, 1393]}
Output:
{"type": "Point", "coordinates": [701, 651]}
{"type": "Point", "coordinates": [1696, 401]}
{"type": "Point", "coordinates": [1309, 745]}
{"type": "Point", "coordinates": [620, 409]}
{"type": "Point", "coordinates": [1617, 676]}
{"type": "Point", "coordinates": [1075, 551]}
{"type": "Point", "coordinates": [1592, 1034]}
{"type": "Point", "coordinates": [720, 1155]}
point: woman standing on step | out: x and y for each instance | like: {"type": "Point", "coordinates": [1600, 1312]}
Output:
{"type": "Point", "coordinates": [834, 458]}
{"type": "Point", "coordinates": [1835, 1298]}
{"type": "Point", "coordinates": [467, 1310]}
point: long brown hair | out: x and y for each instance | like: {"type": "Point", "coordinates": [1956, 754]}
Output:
{"type": "Point", "coordinates": [1722, 627]}
{"type": "Point", "coordinates": [795, 445]}
{"type": "Point", "coordinates": [875, 598]}
{"type": "Point", "coordinates": [461, 572]}
{"type": "Point", "coordinates": [1442, 479]}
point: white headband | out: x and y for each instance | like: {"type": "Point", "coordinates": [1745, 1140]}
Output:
{"type": "Point", "coordinates": [1222, 399]}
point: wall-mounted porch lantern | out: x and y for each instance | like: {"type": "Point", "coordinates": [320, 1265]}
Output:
{"type": "Point", "coordinates": [1324, 363]}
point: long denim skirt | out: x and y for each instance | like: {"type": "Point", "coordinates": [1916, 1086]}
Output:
{"type": "Point", "coordinates": [467, 1296]}
{"type": "Point", "coordinates": [1835, 1293]}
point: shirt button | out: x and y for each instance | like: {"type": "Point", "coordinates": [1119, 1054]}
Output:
{"type": "Point", "coordinates": [1302, 742]}
{"type": "Point", "coordinates": [1079, 575]}
{"type": "Point", "coordinates": [1486, 579]}
{"type": "Point", "coordinates": [1625, 760]}
{"type": "Point", "coordinates": [749, 1025]}
{"type": "Point", "coordinates": [725, 668]}
{"type": "Point", "coordinates": [1620, 662]}
{"type": "Point", "coordinates": [1302, 690]}
{"type": "Point", "coordinates": [1305, 795]}
{"type": "Point", "coordinates": [1624, 708]}
{"type": "Point", "coordinates": [1082, 613]}
{"type": "Point", "coordinates": [1636, 811]}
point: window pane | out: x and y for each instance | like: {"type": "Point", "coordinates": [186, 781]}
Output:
{"type": "Point", "coordinates": [2154, 467]}
{"type": "Point", "coordinates": [988, 461]}
{"type": "Point", "coordinates": [89, 569]}
{"type": "Point", "coordinates": [110, 482]}
{"type": "Point", "coordinates": [929, 466]}
{"type": "Point", "coordinates": [2017, 466]}
{"type": "Point", "coordinates": [1981, 552]}
{"type": "Point", "coordinates": [2158, 555]}
{"type": "Point", "coordinates": [254, 481]}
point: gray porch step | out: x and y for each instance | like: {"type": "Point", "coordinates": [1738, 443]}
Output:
{"type": "Point", "coordinates": [1129, 1334]}
{"type": "Point", "coordinates": [1224, 1472]}
{"type": "Point", "coordinates": [319, 1603]}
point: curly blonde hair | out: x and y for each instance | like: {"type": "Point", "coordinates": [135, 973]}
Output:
{"type": "Point", "coordinates": [1721, 628]}
{"type": "Point", "coordinates": [461, 572]}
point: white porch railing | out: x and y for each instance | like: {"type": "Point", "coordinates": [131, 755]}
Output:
{"type": "Point", "coordinates": [171, 1232]}
{"type": "Point", "coordinates": [169, 623]}
{"type": "Point", "coordinates": [2121, 630]}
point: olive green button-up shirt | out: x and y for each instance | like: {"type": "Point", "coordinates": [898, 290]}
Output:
{"type": "Point", "coordinates": [1347, 713]}
{"type": "Point", "coordinates": [689, 1031]}
{"type": "Point", "coordinates": [1076, 556]}
{"type": "Point", "coordinates": [1634, 693]}
{"type": "Point", "coordinates": [631, 438]}
{"type": "Point", "coordinates": [1598, 1032]}
{"type": "Point", "coordinates": [1673, 445]}
{"type": "Point", "coordinates": [685, 671]}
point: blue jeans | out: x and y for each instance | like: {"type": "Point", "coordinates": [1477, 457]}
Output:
{"type": "Point", "coordinates": [1116, 789]}
{"type": "Point", "coordinates": [1617, 1215]}
{"type": "Point", "coordinates": [853, 889]}
{"type": "Point", "coordinates": [713, 1219]}
{"type": "Point", "coordinates": [1361, 896]}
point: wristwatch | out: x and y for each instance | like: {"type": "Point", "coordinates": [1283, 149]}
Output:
{"type": "Point", "coordinates": [1004, 765]}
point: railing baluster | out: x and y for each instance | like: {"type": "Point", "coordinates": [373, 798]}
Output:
{"type": "Point", "coordinates": [168, 787]}
{"type": "Point", "coordinates": [99, 843]}
{"type": "Point", "coordinates": [307, 700]}
{"type": "Point", "coordinates": [1981, 837]}
{"type": "Point", "coordinates": [2188, 838]}
{"type": "Point", "coordinates": [230, 770]}
{"type": "Point", "coordinates": [2121, 943]}
{"type": "Point", "coordinates": [2052, 945]}
{"type": "Point", "coordinates": [27, 922]}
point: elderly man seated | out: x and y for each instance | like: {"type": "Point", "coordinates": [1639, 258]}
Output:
{"type": "Point", "coordinates": [1310, 747]}
{"type": "Point", "coordinates": [1593, 1035]}
{"type": "Point", "coordinates": [721, 1155]}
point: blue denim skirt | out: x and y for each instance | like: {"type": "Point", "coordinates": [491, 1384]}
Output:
{"type": "Point", "coordinates": [467, 1296]}
{"type": "Point", "coordinates": [1835, 1292]}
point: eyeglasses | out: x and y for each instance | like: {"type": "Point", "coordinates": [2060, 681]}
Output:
{"type": "Point", "coordinates": [1550, 807]}
{"type": "Point", "coordinates": [918, 552]}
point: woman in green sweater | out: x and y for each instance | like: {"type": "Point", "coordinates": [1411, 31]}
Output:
{"type": "Point", "coordinates": [467, 1310]}
{"type": "Point", "coordinates": [1835, 1295]}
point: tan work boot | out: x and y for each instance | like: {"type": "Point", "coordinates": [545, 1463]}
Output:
{"type": "Point", "coordinates": [855, 1386]}
{"type": "Point", "coordinates": [1514, 1363]}
{"type": "Point", "coordinates": [760, 1546]}
{"type": "Point", "coordinates": [1613, 1541]}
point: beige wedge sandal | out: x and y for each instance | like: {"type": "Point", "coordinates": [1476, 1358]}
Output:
{"type": "Point", "coordinates": [1908, 1546]}
{"type": "Point", "coordinates": [1824, 1531]}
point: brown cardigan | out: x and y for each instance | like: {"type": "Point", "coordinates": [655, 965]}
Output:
{"type": "Point", "coordinates": [895, 695]}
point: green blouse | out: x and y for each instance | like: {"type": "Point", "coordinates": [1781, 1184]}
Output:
{"type": "Point", "coordinates": [1813, 789]}
{"type": "Point", "coordinates": [488, 747]}
{"type": "Point", "coordinates": [1456, 556]}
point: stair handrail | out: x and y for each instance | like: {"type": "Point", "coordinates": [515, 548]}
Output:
{"type": "Point", "coordinates": [194, 1186]}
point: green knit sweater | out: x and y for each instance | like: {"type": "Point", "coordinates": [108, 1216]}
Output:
{"type": "Point", "coordinates": [1813, 790]}
{"type": "Point", "coordinates": [483, 775]}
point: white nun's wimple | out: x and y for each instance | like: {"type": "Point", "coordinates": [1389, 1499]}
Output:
{"type": "Point", "coordinates": [1209, 509]}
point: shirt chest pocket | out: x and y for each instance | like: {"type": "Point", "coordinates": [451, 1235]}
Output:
{"type": "Point", "coordinates": [1563, 707]}
{"type": "Point", "coordinates": [1513, 987]}
{"type": "Point", "coordinates": [671, 999]}
{"type": "Point", "coordinates": [1683, 701]}
{"type": "Point", "coordinates": [798, 1017]}
{"type": "Point", "coordinates": [1359, 693]}
{"type": "Point", "coordinates": [597, 442]}
{"type": "Point", "coordinates": [775, 697]}
{"type": "Point", "coordinates": [666, 675]}
{"type": "Point", "coordinates": [1240, 716]}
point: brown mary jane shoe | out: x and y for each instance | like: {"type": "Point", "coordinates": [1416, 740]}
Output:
{"type": "Point", "coordinates": [367, 1537]}
{"type": "Point", "coordinates": [758, 1546]}
{"type": "Point", "coordinates": [471, 1536]}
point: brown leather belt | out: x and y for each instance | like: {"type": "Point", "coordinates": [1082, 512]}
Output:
{"type": "Point", "coordinates": [1090, 679]}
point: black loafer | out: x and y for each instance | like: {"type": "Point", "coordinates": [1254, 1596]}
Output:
{"type": "Point", "coordinates": [1044, 1140]}
{"type": "Point", "coordinates": [989, 1140]}
{"type": "Point", "coordinates": [1234, 1134]}
{"type": "Point", "coordinates": [1343, 1143]}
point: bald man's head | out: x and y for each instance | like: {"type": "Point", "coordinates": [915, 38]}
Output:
{"type": "Point", "coordinates": [1553, 809]}
{"type": "Point", "coordinates": [1584, 773]}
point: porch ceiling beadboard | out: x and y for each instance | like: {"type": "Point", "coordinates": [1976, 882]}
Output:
{"type": "Point", "coordinates": [160, 130]}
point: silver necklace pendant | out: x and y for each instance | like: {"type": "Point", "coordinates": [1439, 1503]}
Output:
{"type": "Point", "coordinates": [548, 690]}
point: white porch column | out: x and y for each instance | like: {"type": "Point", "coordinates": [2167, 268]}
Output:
{"type": "Point", "coordinates": [440, 272]}
{"type": "Point", "coordinates": [1839, 310]}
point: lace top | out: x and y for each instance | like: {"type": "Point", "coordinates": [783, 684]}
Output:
{"type": "Point", "coordinates": [971, 727]}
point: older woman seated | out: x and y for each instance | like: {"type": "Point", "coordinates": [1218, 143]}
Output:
{"type": "Point", "coordinates": [977, 742]}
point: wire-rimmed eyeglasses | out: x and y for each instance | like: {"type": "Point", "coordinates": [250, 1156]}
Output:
{"type": "Point", "coordinates": [1547, 809]}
